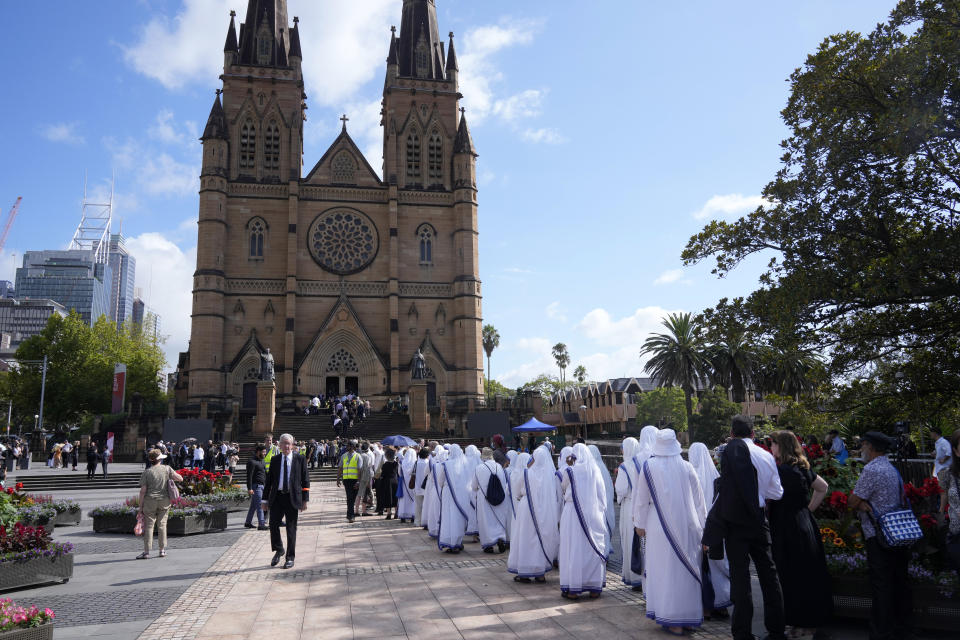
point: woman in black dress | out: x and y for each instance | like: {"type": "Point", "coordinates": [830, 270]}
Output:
{"type": "Point", "coordinates": [388, 479]}
{"type": "Point", "coordinates": [797, 546]}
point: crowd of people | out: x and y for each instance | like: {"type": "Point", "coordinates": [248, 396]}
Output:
{"type": "Point", "coordinates": [688, 529]}
{"type": "Point", "coordinates": [346, 412]}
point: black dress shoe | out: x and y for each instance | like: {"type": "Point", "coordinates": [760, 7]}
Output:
{"type": "Point", "coordinates": [263, 527]}
{"type": "Point", "coordinates": [288, 564]}
{"type": "Point", "coordinates": [247, 525]}
{"type": "Point", "coordinates": [276, 558]}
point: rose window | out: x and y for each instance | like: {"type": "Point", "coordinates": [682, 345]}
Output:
{"type": "Point", "coordinates": [344, 241]}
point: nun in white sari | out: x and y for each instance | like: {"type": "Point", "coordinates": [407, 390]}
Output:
{"type": "Point", "coordinates": [512, 520]}
{"type": "Point", "coordinates": [491, 518]}
{"type": "Point", "coordinates": [717, 588]}
{"type": "Point", "coordinates": [529, 557]}
{"type": "Point", "coordinates": [472, 460]}
{"type": "Point", "coordinates": [452, 480]}
{"type": "Point", "coordinates": [422, 471]}
{"type": "Point", "coordinates": [542, 486]}
{"type": "Point", "coordinates": [583, 556]}
{"type": "Point", "coordinates": [431, 502]}
{"type": "Point", "coordinates": [670, 512]}
{"type": "Point", "coordinates": [406, 503]}
{"type": "Point", "coordinates": [627, 474]}
{"type": "Point", "coordinates": [609, 512]}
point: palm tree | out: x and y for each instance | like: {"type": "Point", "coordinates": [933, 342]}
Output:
{"type": "Point", "coordinates": [562, 357]}
{"type": "Point", "coordinates": [580, 373]}
{"type": "Point", "coordinates": [790, 371]}
{"type": "Point", "coordinates": [678, 358]}
{"type": "Point", "coordinates": [491, 340]}
{"type": "Point", "coordinates": [732, 364]}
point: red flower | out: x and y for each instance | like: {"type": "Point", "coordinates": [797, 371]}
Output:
{"type": "Point", "coordinates": [931, 487]}
{"type": "Point", "coordinates": [10, 490]}
{"type": "Point", "coordinates": [927, 521]}
{"type": "Point", "coordinates": [19, 486]}
{"type": "Point", "coordinates": [838, 501]}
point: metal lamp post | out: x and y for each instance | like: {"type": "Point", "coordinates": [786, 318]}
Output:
{"type": "Point", "coordinates": [583, 413]}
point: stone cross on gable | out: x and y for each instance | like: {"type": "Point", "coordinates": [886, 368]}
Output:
{"type": "Point", "coordinates": [344, 120]}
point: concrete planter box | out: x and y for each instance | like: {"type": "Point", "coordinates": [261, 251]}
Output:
{"type": "Point", "coordinates": [15, 575]}
{"type": "Point", "coordinates": [931, 610]}
{"type": "Point", "coordinates": [65, 519]}
{"type": "Point", "coordinates": [176, 526]}
{"type": "Point", "coordinates": [43, 632]}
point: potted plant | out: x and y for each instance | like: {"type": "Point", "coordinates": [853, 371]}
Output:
{"type": "Point", "coordinates": [28, 556]}
{"type": "Point", "coordinates": [186, 517]}
{"type": "Point", "coordinates": [21, 623]}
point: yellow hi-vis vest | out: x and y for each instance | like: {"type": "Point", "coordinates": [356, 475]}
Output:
{"type": "Point", "coordinates": [351, 467]}
{"type": "Point", "coordinates": [272, 451]}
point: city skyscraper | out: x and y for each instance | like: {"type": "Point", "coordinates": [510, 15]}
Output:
{"type": "Point", "coordinates": [73, 278]}
{"type": "Point", "coordinates": [123, 268]}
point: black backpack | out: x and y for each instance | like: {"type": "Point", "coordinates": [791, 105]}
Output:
{"type": "Point", "coordinates": [495, 494]}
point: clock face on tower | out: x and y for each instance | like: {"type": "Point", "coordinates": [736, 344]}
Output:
{"type": "Point", "coordinates": [343, 241]}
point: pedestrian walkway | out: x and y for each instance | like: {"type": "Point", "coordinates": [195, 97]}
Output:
{"type": "Point", "coordinates": [382, 579]}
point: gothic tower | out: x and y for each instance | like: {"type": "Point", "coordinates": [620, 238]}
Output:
{"type": "Point", "coordinates": [344, 274]}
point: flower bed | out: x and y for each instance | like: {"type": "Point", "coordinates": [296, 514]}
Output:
{"type": "Point", "coordinates": [44, 510]}
{"type": "Point", "coordinates": [21, 623]}
{"type": "Point", "coordinates": [185, 517]}
{"type": "Point", "coordinates": [233, 499]}
{"type": "Point", "coordinates": [28, 556]}
{"type": "Point", "coordinates": [935, 586]}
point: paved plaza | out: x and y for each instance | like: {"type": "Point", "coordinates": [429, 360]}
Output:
{"type": "Point", "coordinates": [371, 579]}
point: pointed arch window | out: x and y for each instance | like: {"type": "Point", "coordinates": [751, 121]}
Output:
{"type": "Point", "coordinates": [248, 144]}
{"type": "Point", "coordinates": [343, 169]}
{"type": "Point", "coordinates": [257, 229]}
{"type": "Point", "coordinates": [271, 147]}
{"type": "Point", "coordinates": [421, 57]}
{"type": "Point", "coordinates": [435, 157]}
{"type": "Point", "coordinates": [413, 156]}
{"type": "Point", "coordinates": [425, 236]}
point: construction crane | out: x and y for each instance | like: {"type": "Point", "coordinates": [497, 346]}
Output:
{"type": "Point", "coordinates": [9, 222]}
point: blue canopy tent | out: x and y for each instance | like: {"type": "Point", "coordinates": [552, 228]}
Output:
{"type": "Point", "coordinates": [533, 425]}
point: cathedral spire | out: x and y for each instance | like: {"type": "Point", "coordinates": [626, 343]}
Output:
{"type": "Point", "coordinates": [262, 38]}
{"type": "Point", "coordinates": [420, 44]}
{"type": "Point", "coordinates": [452, 57]}
{"type": "Point", "coordinates": [230, 46]}
{"type": "Point", "coordinates": [394, 56]}
{"type": "Point", "coordinates": [464, 141]}
{"type": "Point", "coordinates": [216, 122]}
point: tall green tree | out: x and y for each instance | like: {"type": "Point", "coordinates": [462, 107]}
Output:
{"type": "Point", "coordinates": [678, 358]}
{"type": "Point", "coordinates": [491, 340]}
{"type": "Point", "coordinates": [711, 424]}
{"type": "Point", "coordinates": [863, 225]}
{"type": "Point", "coordinates": [663, 407]}
{"type": "Point", "coordinates": [81, 360]}
{"type": "Point", "coordinates": [562, 358]}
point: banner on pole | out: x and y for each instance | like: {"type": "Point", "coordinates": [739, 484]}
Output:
{"type": "Point", "coordinates": [108, 448]}
{"type": "Point", "coordinates": [119, 387]}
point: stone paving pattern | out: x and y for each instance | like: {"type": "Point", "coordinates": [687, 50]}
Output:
{"type": "Point", "coordinates": [379, 579]}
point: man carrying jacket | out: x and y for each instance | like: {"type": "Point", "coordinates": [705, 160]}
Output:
{"type": "Point", "coordinates": [286, 494]}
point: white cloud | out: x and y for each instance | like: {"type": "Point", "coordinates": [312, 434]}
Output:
{"type": "Point", "coordinates": [617, 342]}
{"type": "Point", "coordinates": [187, 48]}
{"type": "Point", "coordinates": [671, 276]}
{"type": "Point", "coordinates": [364, 127]}
{"type": "Point", "coordinates": [62, 132]}
{"type": "Point", "coordinates": [555, 311]}
{"type": "Point", "coordinates": [518, 270]}
{"type": "Point", "coordinates": [166, 130]}
{"type": "Point", "coordinates": [165, 274]}
{"type": "Point", "coordinates": [543, 136]}
{"type": "Point", "coordinates": [480, 72]}
{"type": "Point", "coordinates": [156, 173]}
{"type": "Point", "coordinates": [536, 345]}
{"type": "Point", "coordinates": [525, 104]}
{"type": "Point", "coordinates": [729, 205]}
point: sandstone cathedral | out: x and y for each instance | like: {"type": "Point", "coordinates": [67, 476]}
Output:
{"type": "Point", "coordinates": [342, 273]}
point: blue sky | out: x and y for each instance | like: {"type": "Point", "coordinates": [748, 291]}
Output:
{"type": "Point", "coordinates": [609, 132]}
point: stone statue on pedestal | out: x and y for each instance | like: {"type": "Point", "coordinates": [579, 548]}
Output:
{"type": "Point", "coordinates": [419, 370]}
{"type": "Point", "coordinates": [266, 366]}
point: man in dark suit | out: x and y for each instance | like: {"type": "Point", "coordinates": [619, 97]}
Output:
{"type": "Point", "coordinates": [286, 494]}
